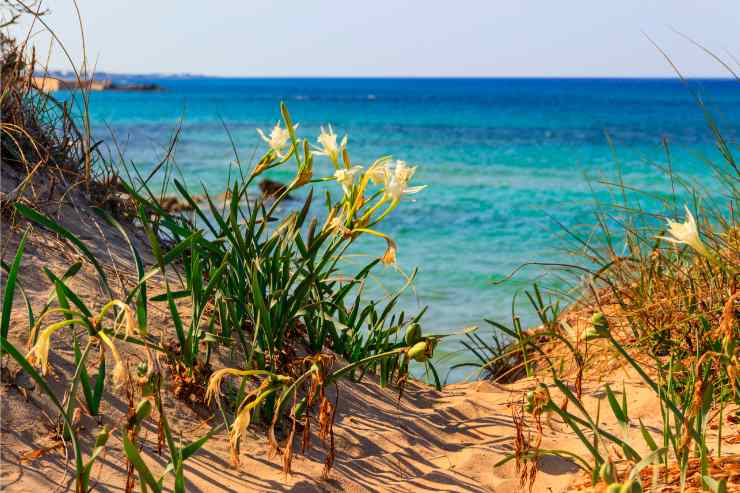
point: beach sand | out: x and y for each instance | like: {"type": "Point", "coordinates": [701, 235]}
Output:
{"type": "Point", "coordinates": [428, 440]}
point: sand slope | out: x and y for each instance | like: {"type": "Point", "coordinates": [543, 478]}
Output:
{"type": "Point", "coordinates": [429, 441]}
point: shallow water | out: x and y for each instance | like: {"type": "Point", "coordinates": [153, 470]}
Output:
{"type": "Point", "coordinates": [505, 160]}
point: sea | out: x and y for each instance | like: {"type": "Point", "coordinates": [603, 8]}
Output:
{"type": "Point", "coordinates": [514, 168]}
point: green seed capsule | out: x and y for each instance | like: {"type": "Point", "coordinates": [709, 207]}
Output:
{"type": "Point", "coordinates": [592, 334]}
{"type": "Point", "coordinates": [600, 323]}
{"type": "Point", "coordinates": [529, 406]}
{"type": "Point", "coordinates": [631, 487]}
{"type": "Point", "coordinates": [613, 488]}
{"type": "Point", "coordinates": [143, 410]}
{"type": "Point", "coordinates": [102, 437]}
{"type": "Point", "coordinates": [418, 352]}
{"type": "Point", "coordinates": [606, 473]}
{"type": "Point", "coordinates": [413, 334]}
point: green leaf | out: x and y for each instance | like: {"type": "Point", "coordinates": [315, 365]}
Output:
{"type": "Point", "coordinates": [616, 409]}
{"type": "Point", "coordinates": [714, 485]}
{"type": "Point", "coordinates": [99, 385]}
{"type": "Point", "coordinates": [652, 458]}
{"type": "Point", "coordinates": [65, 293]}
{"type": "Point", "coordinates": [193, 447]}
{"type": "Point", "coordinates": [49, 223]}
{"type": "Point", "coordinates": [84, 379]}
{"type": "Point", "coordinates": [648, 437]}
{"type": "Point", "coordinates": [184, 293]}
{"type": "Point", "coordinates": [10, 286]}
{"type": "Point", "coordinates": [133, 455]}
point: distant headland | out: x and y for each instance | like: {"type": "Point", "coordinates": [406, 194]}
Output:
{"type": "Point", "coordinates": [51, 83]}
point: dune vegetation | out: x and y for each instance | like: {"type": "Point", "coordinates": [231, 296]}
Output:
{"type": "Point", "coordinates": [240, 306]}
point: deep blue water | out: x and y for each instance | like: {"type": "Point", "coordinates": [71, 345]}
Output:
{"type": "Point", "coordinates": [505, 160]}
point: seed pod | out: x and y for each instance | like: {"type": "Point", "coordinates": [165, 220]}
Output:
{"type": "Point", "coordinates": [418, 352]}
{"type": "Point", "coordinates": [631, 487]}
{"type": "Point", "coordinates": [102, 437]}
{"type": "Point", "coordinates": [613, 488]}
{"type": "Point", "coordinates": [592, 334]}
{"type": "Point", "coordinates": [600, 323]}
{"type": "Point", "coordinates": [413, 334]}
{"type": "Point", "coordinates": [143, 410]}
{"type": "Point", "coordinates": [606, 472]}
{"type": "Point", "coordinates": [529, 406]}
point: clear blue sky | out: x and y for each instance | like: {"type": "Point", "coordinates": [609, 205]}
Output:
{"type": "Point", "coordinates": [397, 37]}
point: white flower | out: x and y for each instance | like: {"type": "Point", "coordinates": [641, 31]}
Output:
{"type": "Point", "coordinates": [346, 177]}
{"type": "Point", "coordinates": [686, 233]}
{"type": "Point", "coordinates": [378, 172]}
{"type": "Point", "coordinates": [396, 182]}
{"type": "Point", "coordinates": [328, 141]}
{"type": "Point", "coordinates": [278, 139]}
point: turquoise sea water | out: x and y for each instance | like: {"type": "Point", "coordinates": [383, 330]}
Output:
{"type": "Point", "coordinates": [505, 160]}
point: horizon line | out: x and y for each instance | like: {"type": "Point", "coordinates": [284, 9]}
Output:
{"type": "Point", "coordinates": [411, 76]}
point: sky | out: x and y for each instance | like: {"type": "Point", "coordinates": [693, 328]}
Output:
{"type": "Point", "coordinates": [470, 38]}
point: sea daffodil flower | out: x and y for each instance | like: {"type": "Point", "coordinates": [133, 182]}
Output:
{"type": "Point", "coordinates": [378, 172]}
{"type": "Point", "coordinates": [278, 139]}
{"type": "Point", "coordinates": [329, 147]}
{"type": "Point", "coordinates": [346, 177]}
{"type": "Point", "coordinates": [686, 233]}
{"type": "Point", "coordinates": [396, 181]}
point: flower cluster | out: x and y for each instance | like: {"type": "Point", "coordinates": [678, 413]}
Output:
{"type": "Point", "coordinates": [360, 207]}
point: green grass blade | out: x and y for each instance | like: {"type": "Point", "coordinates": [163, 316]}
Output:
{"type": "Point", "coordinates": [10, 286]}
{"type": "Point", "coordinates": [84, 379]}
{"type": "Point", "coordinates": [133, 455]}
{"type": "Point", "coordinates": [49, 223]}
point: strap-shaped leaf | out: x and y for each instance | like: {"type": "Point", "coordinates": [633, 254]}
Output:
{"type": "Point", "coordinates": [10, 286]}
{"type": "Point", "coordinates": [49, 223]}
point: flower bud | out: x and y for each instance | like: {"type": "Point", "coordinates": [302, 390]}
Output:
{"type": "Point", "coordinates": [413, 334]}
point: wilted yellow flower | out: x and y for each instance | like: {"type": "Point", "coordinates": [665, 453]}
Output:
{"type": "Point", "coordinates": [124, 318]}
{"type": "Point", "coordinates": [120, 372]}
{"type": "Point", "coordinates": [40, 351]}
{"type": "Point", "coordinates": [214, 384]}
{"type": "Point", "coordinates": [240, 425]}
{"type": "Point", "coordinates": [329, 147]}
{"type": "Point", "coordinates": [396, 181]}
{"type": "Point", "coordinates": [305, 173]}
{"type": "Point", "coordinates": [346, 177]}
{"type": "Point", "coordinates": [389, 257]}
{"type": "Point", "coordinates": [337, 224]}
{"type": "Point", "coordinates": [278, 139]}
{"type": "Point", "coordinates": [686, 233]}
